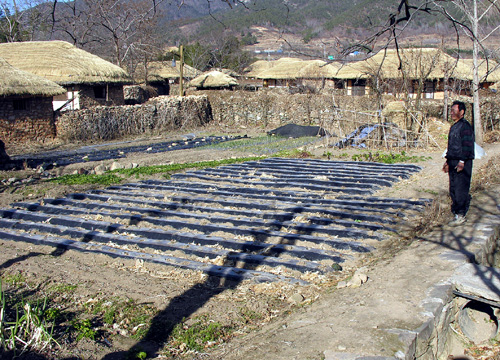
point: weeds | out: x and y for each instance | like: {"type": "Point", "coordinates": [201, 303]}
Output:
{"type": "Point", "coordinates": [28, 327]}
{"type": "Point", "coordinates": [203, 333]}
{"type": "Point", "coordinates": [250, 316]}
{"type": "Point", "coordinates": [126, 313]}
{"type": "Point", "coordinates": [156, 169]}
{"type": "Point", "coordinates": [388, 158]}
{"type": "Point", "coordinates": [15, 279]}
{"type": "Point", "coordinates": [265, 145]}
{"type": "Point", "coordinates": [294, 153]}
{"type": "Point", "coordinates": [80, 179]}
{"type": "Point", "coordinates": [84, 329]}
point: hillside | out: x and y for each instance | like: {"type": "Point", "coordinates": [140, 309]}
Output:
{"type": "Point", "coordinates": [317, 28]}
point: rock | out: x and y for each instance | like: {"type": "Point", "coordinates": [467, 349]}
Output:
{"type": "Point", "coordinates": [4, 158]}
{"type": "Point", "coordinates": [336, 267]}
{"type": "Point", "coordinates": [116, 165]}
{"type": "Point", "coordinates": [296, 298]}
{"type": "Point", "coordinates": [100, 169]}
{"type": "Point", "coordinates": [341, 284]}
{"type": "Point", "coordinates": [357, 280]}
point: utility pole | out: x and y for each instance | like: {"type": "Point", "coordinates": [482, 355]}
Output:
{"type": "Point", "coordinates": [181, 66]}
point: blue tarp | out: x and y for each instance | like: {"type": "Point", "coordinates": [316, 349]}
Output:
{"type": "Point", "coordinates": [357, 137]}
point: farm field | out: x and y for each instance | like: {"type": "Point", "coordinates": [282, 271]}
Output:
{"type": "Point", "coordinates": [136, 306]}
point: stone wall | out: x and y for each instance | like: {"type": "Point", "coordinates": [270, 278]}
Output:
{"type": "Point", "coordinates": [26, 120]}
{"type": "Point", "coordinates": [160, 114]}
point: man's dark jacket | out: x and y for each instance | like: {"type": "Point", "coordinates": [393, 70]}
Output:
{"type": "Point", "coordinates": [460, 141]}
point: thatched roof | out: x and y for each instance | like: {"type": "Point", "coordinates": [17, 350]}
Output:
{"type": "Point", "coordinates": [318, 69]}
{"type": "Point", "coordinates": [172, 50]}
{"type": "Point", "coordinates": [490, 68]}
{"type": "Point", "coordinates": [283, 69]}
{"type": "Point", "coordinates": [161, 70]}
{"type": "Point", "coordinates": [213, 79]}
{"type": "Point", "coordinates": [17, 82]}
{"type": "Point", "coordinates": [254, 69]}
{"type": "Point", "coordinates": [62, 63]}
{"type": "Point", "coordinates": [428, 63]}
{"type": "Point", "coordinates": [292, 68]}
{"type": "Point", "coordinates": [229, 72]}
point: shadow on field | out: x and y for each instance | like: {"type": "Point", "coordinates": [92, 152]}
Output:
{"type": "Point", "coordinates": [183, 306]}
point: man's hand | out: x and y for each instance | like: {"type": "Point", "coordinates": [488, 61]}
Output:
{"type": "Point", "coordinates": [446, 168]}
{"type": "Point", "coordinates": [460, 166]}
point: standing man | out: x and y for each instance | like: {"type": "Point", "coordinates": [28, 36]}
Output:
{"type": "Point", "coordinates": [458, 163]}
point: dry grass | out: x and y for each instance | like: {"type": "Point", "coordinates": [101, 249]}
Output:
{"type": "Point", "coordinates": [486, 176]}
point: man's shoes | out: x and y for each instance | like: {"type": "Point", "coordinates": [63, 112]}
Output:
{"type": "Point", "coordinates": [457, 220]}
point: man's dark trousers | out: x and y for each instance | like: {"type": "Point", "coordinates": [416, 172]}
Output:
{"type": "Point", "coordinates": [459, 187]}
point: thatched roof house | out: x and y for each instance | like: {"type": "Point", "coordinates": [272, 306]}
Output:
{"type": "Point", "coordinates": [428, 66]}
{"type": "Point", "coordinates": [162, 70]}
{"type": "Point", "coordinates": [292, 71]}
{"type": "Point", "coordinates": [161, 74]}
{"type": "Point", "coordinates": [25, 105]}
{"type": "Point", "coordinates": [89, 79]}
{"type": "Point", "coordinates": [213, 80]}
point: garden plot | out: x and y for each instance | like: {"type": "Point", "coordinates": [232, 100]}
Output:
{"type": "Point", "coordinates": [93, 153]}
{"type": "Point", "coordinates": [275, 219]}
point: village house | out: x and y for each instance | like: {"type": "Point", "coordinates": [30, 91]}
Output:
{"type": "Point", "coordinates": [88, 79]}
{"type": "Point", "coordinates": [414, 72]}
{"type": "Point", "coordinates": [162, 74]}
{"type": "Point", "coordinates": [26, 112]}
{"type": "Point", "coordinates": [290, 72]}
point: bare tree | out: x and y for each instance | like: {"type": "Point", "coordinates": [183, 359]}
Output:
{"type": "Point", "coordinates": [474, 19]}
{"type": "Point", "coordinates": [21, 20]}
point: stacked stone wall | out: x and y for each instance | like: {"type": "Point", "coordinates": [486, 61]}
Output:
{"type": "Point", "coordinates": [160, 114]}
{"type": "Point", "coordinates": [34, 123]}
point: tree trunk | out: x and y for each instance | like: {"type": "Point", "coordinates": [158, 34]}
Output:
{"type": "Point", "coordinates": [478, 128]}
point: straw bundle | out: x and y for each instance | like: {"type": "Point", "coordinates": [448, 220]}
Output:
{"type": "Point", "coordinates": [213, 79]}
{"type": "Point", "coordinates": [62, 63]}
{"type": "Point", "coordinates": [17, 82]}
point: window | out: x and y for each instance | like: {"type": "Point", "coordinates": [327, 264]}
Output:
{"type": "Point", "coordinates": [20, 104]}
{"type": "Point", "coordinates": [359, 88]}
{"type": "Point", "coordinates": [100, 92]}
{"type": "Point", "coordinates": [430, 88]}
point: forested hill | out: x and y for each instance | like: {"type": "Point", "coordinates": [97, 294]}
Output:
{"type": "Point", "coordinates": [293, 16]}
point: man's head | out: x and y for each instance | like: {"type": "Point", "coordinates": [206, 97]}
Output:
{"type": "Point", "coordinates": [457, 110]}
